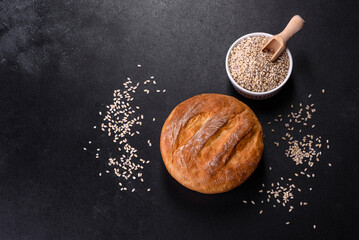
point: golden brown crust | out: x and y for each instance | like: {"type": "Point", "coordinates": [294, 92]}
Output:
{"type": "Point", "coordinates": [211, 143]}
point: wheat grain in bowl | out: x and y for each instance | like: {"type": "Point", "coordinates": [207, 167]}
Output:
{"type": "Point", "coordinates": [252, 69]}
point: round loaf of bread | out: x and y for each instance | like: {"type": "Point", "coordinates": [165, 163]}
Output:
{"type": "Point", "coordinates": [211, 143]}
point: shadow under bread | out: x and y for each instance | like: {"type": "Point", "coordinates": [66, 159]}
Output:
{"type": "Point", "coordinates": [222, 203]}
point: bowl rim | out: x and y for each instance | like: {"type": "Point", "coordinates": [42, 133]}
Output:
{"type": "Point", "coordinates": [248, 91]}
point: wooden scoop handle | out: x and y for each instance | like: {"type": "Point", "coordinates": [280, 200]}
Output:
{"type": "Point", "coordinates": [294, 25]}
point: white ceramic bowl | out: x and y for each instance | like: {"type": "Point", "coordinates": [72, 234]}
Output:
{"type": "Point", "coordinates": [257, 95]}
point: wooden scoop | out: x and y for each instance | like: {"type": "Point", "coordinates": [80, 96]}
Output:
{"type": "Point", "coordinates": [278, 43]}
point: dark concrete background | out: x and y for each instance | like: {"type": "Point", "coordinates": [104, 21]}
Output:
{"type": "Point", "coordinates": [60, 62]}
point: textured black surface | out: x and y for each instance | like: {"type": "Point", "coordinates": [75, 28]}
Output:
{"type": "Point", "coordinates": [60, 62]}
